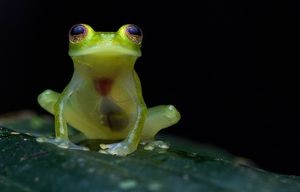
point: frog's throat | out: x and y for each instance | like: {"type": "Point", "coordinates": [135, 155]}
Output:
{"type": "Point", "coordinates": [106, 50]}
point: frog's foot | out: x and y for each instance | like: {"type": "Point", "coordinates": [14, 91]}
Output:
{"type": "Point", "coordinates": [62, 143]}
{"type": "Point", "coordinates": [154, 144]}
{"type": "Point", "coordinates": [119, 149]}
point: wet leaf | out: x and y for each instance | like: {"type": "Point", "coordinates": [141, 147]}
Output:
{"type": "Point", "coordinates": [26, 165]}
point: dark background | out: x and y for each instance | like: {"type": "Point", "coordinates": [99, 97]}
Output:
{"type": "Point", "coordinates": [231, 68]}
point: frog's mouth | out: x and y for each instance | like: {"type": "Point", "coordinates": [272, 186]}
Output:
{"type": "Point", "coordinates": [105, 51]}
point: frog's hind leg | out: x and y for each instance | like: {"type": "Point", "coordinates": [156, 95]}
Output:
{"type": "Point", "coordinates": [47, 100]}
{"type": "Point", "coordinates": [158, 118]}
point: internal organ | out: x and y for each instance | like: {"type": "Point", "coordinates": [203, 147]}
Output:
{"type": "Point", "coordinates": [111, 114]}
{"type": "Point", "coordinates": [103, 86]}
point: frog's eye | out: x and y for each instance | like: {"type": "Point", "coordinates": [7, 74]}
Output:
{"type": "Point", "coordinates": [134, 33]}
{"type": "Point", "coordinates": [77, 33]}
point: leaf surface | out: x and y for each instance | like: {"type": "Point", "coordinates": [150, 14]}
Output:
{"type": "Point", "coordinates": [28, 166]}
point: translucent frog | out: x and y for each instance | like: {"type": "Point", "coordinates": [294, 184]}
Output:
{"type": "Point", "coordinates": [104, 98]}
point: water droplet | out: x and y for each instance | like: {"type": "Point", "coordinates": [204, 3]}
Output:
{"type": "Point", "coordinates": [187, 166]}
{"type": "Point", "coordinates": [91, 170]}
{"type": "Point", "coordinates": [14, 133]}
{"type": "Point", "coordinates": [186, 177]}
{"type": "Point", "coordinates": [154, 186]}
{"type": "Point", "coordinates": [149, 147]}
{"type": "Point", "coordinates": [128, 184]}
{"type": "Point", "coordinates": [36, 179]}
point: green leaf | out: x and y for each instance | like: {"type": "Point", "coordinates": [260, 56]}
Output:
{"type": "Point", "coordinates": [26, 165]}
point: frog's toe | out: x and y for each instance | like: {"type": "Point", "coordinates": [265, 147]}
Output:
{"type": "Point", "coordinates": [151, 145]}
{"type": "Point", "coordinates": [119, 149]}
{"type": "Point", "coordinates": [62, 143]}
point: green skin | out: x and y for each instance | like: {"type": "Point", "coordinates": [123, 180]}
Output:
{"type": "Point", "coordinates": [117, 114]}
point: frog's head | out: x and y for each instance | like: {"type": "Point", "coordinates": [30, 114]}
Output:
{"type": "Point", "coordinates": [98, 49]}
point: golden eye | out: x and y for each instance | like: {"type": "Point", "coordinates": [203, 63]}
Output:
{"type": "Point", "coordinates": [77, 33]}
{"type": "Point", "coordinates": [134, 33]}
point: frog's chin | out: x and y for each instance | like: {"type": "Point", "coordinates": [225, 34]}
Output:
{"type": "Point", "coordinates": [106, 51]}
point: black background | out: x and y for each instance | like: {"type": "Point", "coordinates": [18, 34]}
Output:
{"type": "Point", "coordinates": [231, 68]}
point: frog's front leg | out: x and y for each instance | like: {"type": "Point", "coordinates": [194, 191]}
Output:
{"type": "Point", "coordinates": [131, 142]}
{"type": "Point", "coordinates": [158, 118]}
{"type": "Point", "coordinates": [55, 103]}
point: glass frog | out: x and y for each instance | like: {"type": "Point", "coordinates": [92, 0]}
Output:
{"type": "Point", "coordinates": [104, 97]}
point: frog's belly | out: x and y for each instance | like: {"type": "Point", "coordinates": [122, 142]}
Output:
{"type": "Point", "coordinates": [110, 117]}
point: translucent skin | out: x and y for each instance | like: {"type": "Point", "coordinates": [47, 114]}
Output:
{"type": "Point", "coordinates": [104, 97]}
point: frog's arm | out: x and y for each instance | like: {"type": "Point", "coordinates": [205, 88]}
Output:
{"type": "Point", "coordinates": [134, 135]}
{"type": "Point", "coordinates": [130, 143]}
{"type": "Point", "coordinates": [61, 129]}
{"type": "Point", "coordinates": [55, 103]}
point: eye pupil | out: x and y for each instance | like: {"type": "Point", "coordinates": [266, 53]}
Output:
{"type": "Point", "coordinates": [134, 30]}
{"type": "Point", "coordinates": [77, 33]}
{"type": "Point", "coordinates": [134, 33]}
{"type": "Point", "coordinates": [77, 30]}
